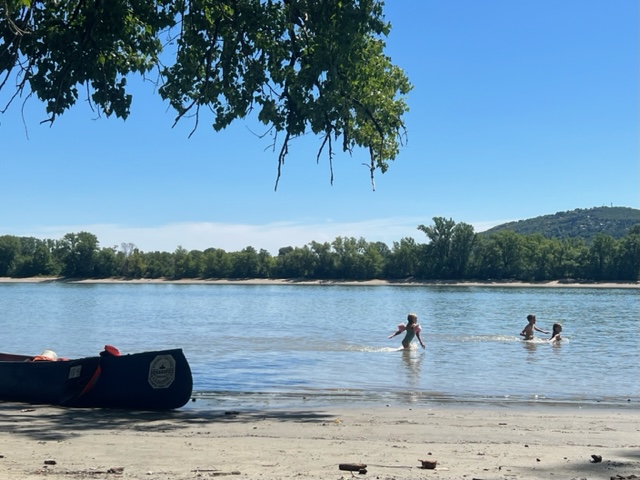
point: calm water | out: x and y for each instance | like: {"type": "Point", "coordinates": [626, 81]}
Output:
{"type": "Point", "coordinates": [262, 344]}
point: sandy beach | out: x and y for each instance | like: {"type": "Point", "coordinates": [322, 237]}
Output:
{"type": "Point", "coordinates": [263, 281]}
{"type": "Point", "coordinates": [467, 443]}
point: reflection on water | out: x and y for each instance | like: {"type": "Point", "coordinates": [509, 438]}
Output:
{"type": "Point", "coordinates": [531, 347]}
{"type": "Point", "coordinates": [412, 359]}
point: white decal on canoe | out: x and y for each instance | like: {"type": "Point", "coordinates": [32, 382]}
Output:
{"type": "Point", "coordinates": [162, 371]}
{"type": "Point", "coordinates": [74, 372]}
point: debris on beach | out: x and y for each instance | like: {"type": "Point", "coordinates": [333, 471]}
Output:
{"type": "Point", "coordinates": [428, 464]}
{"type": "Point", "coordinates": [596, 458]}
{"type": "Point", "coordinates": [354, 467]}
{"type": "Point", "coordinates": [214, 472]}
{"type": "Point", "coordinates": [86, 473]}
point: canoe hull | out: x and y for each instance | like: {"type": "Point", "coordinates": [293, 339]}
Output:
{"type": "Point", "coordinates": [159, 380]}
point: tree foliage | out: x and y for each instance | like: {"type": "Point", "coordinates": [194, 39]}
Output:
{"type": "Point", "coordinates": [300, 65]}
{"type": "Point", "coordinates": [585, 223]}
{"type": "Point", "coordinates": [453, 252]}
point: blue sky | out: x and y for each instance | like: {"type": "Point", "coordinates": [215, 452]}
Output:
{"type": "Point", "coordinates": [519, 109]}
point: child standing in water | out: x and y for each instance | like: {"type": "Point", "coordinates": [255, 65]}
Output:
{"type": "Point", "coordinates": [527, 332]}
{"type": "Point", "coordinates": [411, 329]}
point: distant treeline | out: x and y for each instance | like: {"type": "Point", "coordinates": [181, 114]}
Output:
{"type": "Point", "coordinates": [451, 252]}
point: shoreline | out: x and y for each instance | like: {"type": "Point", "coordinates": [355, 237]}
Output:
{"type": "Point", "coordinates": [366, 283]}
{"type": "Point", "coordinates": [466, 442]}
{"type": "Point", "coordinates": [207, 399]}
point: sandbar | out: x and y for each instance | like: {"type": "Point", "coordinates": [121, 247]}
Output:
{"type": "Point", "coordinates": [365, 283]}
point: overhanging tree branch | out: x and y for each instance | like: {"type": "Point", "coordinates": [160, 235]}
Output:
{"type": "Point", "coordinates": [300, 65]}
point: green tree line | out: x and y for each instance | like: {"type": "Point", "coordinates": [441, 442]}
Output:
{"type": "Point", "coordinates": [452, 251]}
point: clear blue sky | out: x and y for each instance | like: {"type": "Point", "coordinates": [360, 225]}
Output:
{"type": "Point", "coordinates": [519, 109]}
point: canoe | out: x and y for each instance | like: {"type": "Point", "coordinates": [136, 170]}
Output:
{"type": "Point", "coordinates": [158, 380]}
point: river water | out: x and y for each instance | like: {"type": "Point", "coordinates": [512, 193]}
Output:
{"type": "Point", "coordinates": [290, 345]}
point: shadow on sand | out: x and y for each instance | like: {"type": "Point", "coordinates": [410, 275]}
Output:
{"type": "Point", "coordinates": [43, 422]}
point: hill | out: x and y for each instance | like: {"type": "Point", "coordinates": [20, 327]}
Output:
{"type": "Point", "coordinates": [579, 223]}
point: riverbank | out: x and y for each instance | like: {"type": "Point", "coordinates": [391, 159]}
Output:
{"type": "Point", "coordinates": [484, 443]}
{"type": "Point", "coordinates": [366, 283]}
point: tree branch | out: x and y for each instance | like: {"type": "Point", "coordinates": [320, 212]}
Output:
{"type": "Point", "coordinates": [283, 153]}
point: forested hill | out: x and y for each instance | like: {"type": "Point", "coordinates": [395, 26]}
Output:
{"type": "Point", "coordinates": [583, 223]}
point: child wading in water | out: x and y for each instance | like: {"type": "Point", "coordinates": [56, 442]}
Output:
{"type": "Point", "coordinates": [527, 332]}
{"type": "Point", "coordinates": [411, 329]}
{"type": "Point", "coordinates": [555, 334]}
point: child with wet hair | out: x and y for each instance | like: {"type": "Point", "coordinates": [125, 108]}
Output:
{"type": "Point", "coordinates": [555, 333]}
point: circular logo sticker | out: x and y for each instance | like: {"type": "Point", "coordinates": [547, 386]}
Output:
{"type": "Point", "coordinates": [162, 371]}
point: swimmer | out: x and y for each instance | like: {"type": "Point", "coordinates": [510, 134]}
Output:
{"type": "Point", "coordinates": [555, 334]}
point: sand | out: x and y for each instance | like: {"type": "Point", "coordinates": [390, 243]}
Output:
{"type": "Point", "coordinates": [497, 442]}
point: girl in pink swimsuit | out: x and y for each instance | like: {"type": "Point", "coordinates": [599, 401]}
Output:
{"type": "Point", "coordinates": [411, 329]}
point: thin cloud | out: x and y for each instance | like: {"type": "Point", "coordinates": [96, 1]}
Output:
{"type": "Point", "coordinates": [235, 237]}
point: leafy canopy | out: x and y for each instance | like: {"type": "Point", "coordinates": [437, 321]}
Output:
{"type": "Point", "coordinates": [301, 65]}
